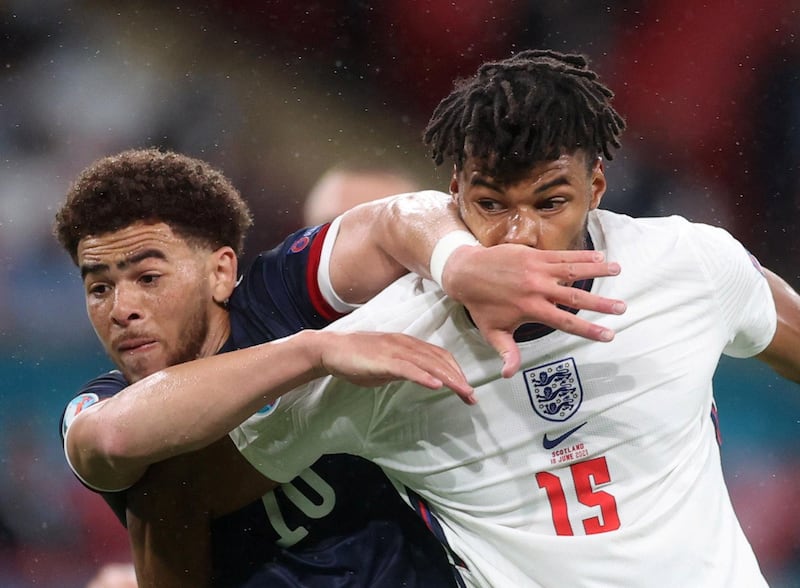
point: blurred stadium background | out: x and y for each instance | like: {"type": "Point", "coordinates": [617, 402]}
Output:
{"type": "Point", "coordinates": [274, 92]}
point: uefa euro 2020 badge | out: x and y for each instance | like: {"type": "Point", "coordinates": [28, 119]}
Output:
{"type": "Point", "coordinates": [75, 407]}
{"type": "Point", "coordinates": [269, 408]}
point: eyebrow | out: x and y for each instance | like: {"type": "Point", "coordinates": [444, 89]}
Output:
{"type": "Point", "coordinates": [481, 181]}
{"type": "Point", "coordinates": [96, 268]}
{"type": "Point", "coordinates": [559, 181]}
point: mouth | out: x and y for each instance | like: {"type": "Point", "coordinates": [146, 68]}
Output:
{"type": "Point", "coordinates": [134, 345]}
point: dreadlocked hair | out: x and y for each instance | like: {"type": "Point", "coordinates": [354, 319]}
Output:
{"type": "Point", "coordinates": [147, 185]}
{"type": "Point", "coordinates": [534, 106]}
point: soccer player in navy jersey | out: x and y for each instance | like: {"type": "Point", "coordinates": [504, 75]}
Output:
{"type": "Point", "coordinates": [156, 236]}
{"type": "Point", "coordinates": [340, 188]}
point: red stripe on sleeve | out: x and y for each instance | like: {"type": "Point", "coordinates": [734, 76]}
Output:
{"type": "Point", "coordinates": [322, 307]}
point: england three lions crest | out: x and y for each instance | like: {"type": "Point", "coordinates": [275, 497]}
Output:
{"type": "Point", "coordinates": [554, 389]}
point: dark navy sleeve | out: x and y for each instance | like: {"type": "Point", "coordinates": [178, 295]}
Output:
{"type": "Point", "coordinates": [278, 295]}
{"type": "Point", "coordinates": [95, 390]}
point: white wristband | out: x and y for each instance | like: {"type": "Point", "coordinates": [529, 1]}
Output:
{"type": "Point", "coordinates": [444, 249]}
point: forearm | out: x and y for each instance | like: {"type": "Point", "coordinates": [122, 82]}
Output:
{"type": "Point", "coordinates": [189, 406]}
{"type": "Point", "coordinates": [185, 407]}
{"type": "Point", "coordinates": [380, 241]}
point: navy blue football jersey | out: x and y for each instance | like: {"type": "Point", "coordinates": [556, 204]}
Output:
{"type": "Point", "coordinates": [341, 523]}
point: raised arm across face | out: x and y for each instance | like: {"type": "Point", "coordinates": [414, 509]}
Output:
{"type": "Point", "coordinates": [503, 286]}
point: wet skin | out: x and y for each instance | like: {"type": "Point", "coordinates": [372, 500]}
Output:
{"type": "Point", "coordinates": [546, 209]}
{"type": "Point", "coordinates": [152, 298]}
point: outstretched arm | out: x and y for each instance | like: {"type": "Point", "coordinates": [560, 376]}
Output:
{"type": "Point", "coordinates": [177, 410]}
{"type": "Point", "coordinates": [502, 286]}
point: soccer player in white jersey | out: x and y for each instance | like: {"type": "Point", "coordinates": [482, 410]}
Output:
{"type": "Point", "coordinates": [595, 464]}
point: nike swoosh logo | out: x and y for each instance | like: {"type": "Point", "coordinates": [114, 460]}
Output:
{"type": "Point", "coordinates": [550, 443]}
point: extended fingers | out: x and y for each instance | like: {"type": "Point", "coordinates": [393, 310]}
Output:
{"type": "Point", "coordinates": [435, 378]}
{"type": "Point", "coordinates": [406, 357]}
{"type": "Point", "coordinates": [574, 271]}
{"type": "Point", "coordinates": [432, 366]}
{"type": "Point", "coordinates": [583, 300]}
{"type": "Point", "coordinates": [569, 322]}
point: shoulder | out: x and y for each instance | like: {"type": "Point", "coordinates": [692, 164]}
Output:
{"type": "Point", "coordinates": [669, 237]}
{"type": "Point", "coordinates": [610, 225]}
{"type": "Point", "coordinates": [296, 247]}
{"type": "Point", "coordinates": [657, 228]}
{"type": "Point", "coordinates": [278, 294]}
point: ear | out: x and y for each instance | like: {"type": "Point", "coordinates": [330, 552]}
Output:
{"type": "Point", "coordinates": [598, 184]}
{"type": "Point", "coordinates": [223, 268]}
{"type": "Point", "coordinates": [454, 187]}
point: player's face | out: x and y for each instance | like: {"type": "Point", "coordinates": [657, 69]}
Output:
{"type": "Point", "coordinates": [148, 296]}
{"type": "Point", "coordinates": [546, 209]}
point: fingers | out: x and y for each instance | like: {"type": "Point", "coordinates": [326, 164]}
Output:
{"type": "Point", "coordinates": [503, 342]}
{"type": "Point", "coordinates": [585, 329]}
{"type": "Point", "coordinates": [563, 320]}
{"type": "Point", "coordinates": [436, 378]}
{"type": "Point", "coordinates": [571, 255]}
{"type": "Point", "coordinates": [508, 285]}
{"type": "Point", "coordinates": [581, 299]}
{"type": "Point", "coordinates": [572, 272]}
{"type": "Point", "coordinates": [374, 359]}
{"type": "Point", "coordinates": [435, 367]}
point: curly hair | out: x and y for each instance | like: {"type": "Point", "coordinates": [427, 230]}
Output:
{"type": "Point", "coordinates": [197, 201]}
{"type": "Point", "coordinates": [532, 107]}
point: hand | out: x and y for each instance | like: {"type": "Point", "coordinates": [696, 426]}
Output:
{"type": "Point", "coordinates": [114, 575]}
{"type": "Point", "coordinates": [508, 285]}
{"type": "Point", "coordinates": [374, 359]}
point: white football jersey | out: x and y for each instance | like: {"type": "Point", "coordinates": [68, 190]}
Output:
{"type": "Point", "coordinates": [597, 464]}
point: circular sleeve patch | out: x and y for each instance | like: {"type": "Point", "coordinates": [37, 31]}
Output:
{"type": "Point", "coordinates": [74, 408]}
{"type": "Point", "coordinates": [268, 408]}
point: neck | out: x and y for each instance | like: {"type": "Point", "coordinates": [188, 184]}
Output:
{"type": "Point", "coordinates": [219, 329]}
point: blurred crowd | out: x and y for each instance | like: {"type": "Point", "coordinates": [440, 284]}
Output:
{"type": "Point", "coordinates": [275, 92]}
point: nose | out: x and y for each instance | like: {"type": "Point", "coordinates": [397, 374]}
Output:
{"type": "Point", "coordinates": [522, 228]}
{"type": "Point", "coordinates": [126, 305]}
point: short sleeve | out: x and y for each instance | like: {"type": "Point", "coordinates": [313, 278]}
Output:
{"type": "Point", "coordinates": [741, 290]}
{"type": "Point", "coordinates": [323, 417]}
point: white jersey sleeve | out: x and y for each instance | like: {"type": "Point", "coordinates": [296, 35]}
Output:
{"type": "Point", "coordinates": [335, 414]}
{"type": "Point", "coordinates": [272, 440]}
{"type": "Point", "coordinates": [324, 271]}
{"type": "Point", "coordinates": [740, 288]}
